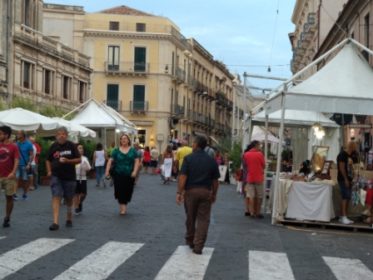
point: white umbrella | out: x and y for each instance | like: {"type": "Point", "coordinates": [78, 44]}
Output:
{"type": "Point", "coordinates": [75, 128]}
{"type": "Point", "coordinates": [21, 119]}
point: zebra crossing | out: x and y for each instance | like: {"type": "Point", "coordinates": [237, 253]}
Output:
{"type": "Point", "coordinates": [182, 264]}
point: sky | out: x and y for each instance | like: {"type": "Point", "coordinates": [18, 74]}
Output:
{"type": "Point", "coordinates": [246, 35]}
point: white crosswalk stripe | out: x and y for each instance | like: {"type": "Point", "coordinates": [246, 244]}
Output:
{"type": "Point", "coordinates": [2, 237]}
{"type": "Point", "coordinates": [347, 269]}
{"type": "Point", "coordinates": [102, 262]}
{"type": "Point", "coordinates": [269, 265]}
{"type": "Point", "coordinates": [16, 259]}
{"type": "Point", "coordinates": [184, 264]}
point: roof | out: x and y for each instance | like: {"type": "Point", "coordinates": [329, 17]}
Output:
{"type": "Point", "coordinates": [98, 115]}
{"type": "Point", "coordinates": [343, 85]}
{"type": "Point", "coordinates": [296, 118]}
{"type": "Point", "coordinates": [124, 10]}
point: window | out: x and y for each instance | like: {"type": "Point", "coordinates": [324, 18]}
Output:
{"type": "Point", "coordinates": [27, 74]}
{"type": "Point", "coordinates": [112, 96]}
{"type": "Point", "coordinates": [138, 98]}
{"type": "Point", "coordinates": [113, 58]}
{"type": "Point", "coordinates": [140, 27]}
{"type": "Point", "coordinates": [66, 87]}
{"type": "Point", "coordinates": [48, 81]}
{"type": "Point", "coordinates": [366, 30]}
{"type": "Point", "coordinates": [28, 9]}
{"type": "Point", "coordinates": [82, 91]}
{"type": "Point", "coordinates": [114, 25]}
{"type": "Point", "coordinates": [140, 59]}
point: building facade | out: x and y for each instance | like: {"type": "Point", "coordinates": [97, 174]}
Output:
{"type": "Point", "coordinates": [36, 67]}
{"type": "Point", "coordinates": [169, 86]}
{"type": "Point", "coordinates": [313, 21]}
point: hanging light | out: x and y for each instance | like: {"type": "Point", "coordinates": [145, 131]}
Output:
{"type": "Point", "coordinates": [318, 131]}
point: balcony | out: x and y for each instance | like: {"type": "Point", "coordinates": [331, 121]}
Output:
{"type": "Point", "coordinates": [178, 110]}
{"type": "Point", "coordinates": [139, 107]}
{"type": "Point", "coordinates": [180, 76]}
{"type": "Point", "coordinates": [127, 68]}
{"type": "Point", "coordinates": [115, 104]}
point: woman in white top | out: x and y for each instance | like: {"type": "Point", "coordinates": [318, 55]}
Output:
{"type": "Point", "coordinates": [99, 160]}
{"type": "Point", "coordinates": [81, 181]}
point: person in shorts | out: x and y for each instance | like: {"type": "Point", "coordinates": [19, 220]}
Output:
{"type": "Point", "coordinates": [81, 181]}
{"type": "Point", "coordinates": [254, 160]}
{"type": "Point", "coordinates": [9, 158]}
{"type": "Point", "coordinates": [61, 159]}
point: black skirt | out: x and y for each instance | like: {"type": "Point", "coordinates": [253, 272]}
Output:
{"type": "Point", "coordinates": [123, 188]}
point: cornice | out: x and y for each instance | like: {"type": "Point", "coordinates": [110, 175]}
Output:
{"type": "Point", "coordinates": [299, 5]}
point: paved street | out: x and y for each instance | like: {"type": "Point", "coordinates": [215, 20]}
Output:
{"type": "Point", "coordinates": [148, 242]}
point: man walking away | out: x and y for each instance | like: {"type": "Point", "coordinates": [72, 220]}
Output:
{"type": "Point", "coordinates": [198, 186]}
{"type": "Point", "coordinates": [9, 158]}
{"type": "Point", "coordinates": [62, 157]}
{"type": "Point", "coordinates": [255, 162]}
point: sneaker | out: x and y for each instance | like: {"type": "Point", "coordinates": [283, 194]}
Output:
{"type": "Point", "coordinates": [69, 223]}
{"type": "Point", "coordinates": [54, 227]}
{"type": "Point", "coordinates": [15, 197]}
{"type": "Point", "coordinates": [346, 221]}
{"type": "Point", "coordinates": [24, 197]}
{"type": "Point", "coordinates": [78, 211]}
{"type": "Point", "coordinates": [6, 222]}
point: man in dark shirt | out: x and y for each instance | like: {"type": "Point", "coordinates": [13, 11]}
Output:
{"type": "Point", "coordinates": [61, 159]}
{"type": "Point", "coordinates": [198, 185]}
{"type": "Point", "coordinates": [345, 176]}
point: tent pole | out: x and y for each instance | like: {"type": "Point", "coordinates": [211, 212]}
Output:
{"type": "Point", "coordinates": [77, 108]}
{"type": "Point", "coordinates": [362, 46]}
{"type": "Point", "coordinates": [278, 164]}
{"type": "Point", "coordinates": [264, 202]}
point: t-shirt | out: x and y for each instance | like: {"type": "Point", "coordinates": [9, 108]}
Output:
{"type": "Point", "coordinates": [154, 154]}
{"type": "Point", "coordinates": [8, 154]}
{"type": "Point", "coordinates": [344, 158]}
{"type": "Point", "coordinates": [124, 163]}
{"type": "Point", "coordinates": [200, 170]}
{"type": "Point", "coordinates": [255, 163]}
{"type": "Point", "coordinates": [146, 156]}
{"type": "Point", "coordinates": [82, 168]}
{"type": "Point", "coordinates": [68, 150]}
{"type": "Point", "coordinates": [37, 150]}
{"type": "Point", "coordinates": [181, 153]}
{"type": "Point", "coordinates": [25, 148]}
{"type": "Point", "coordinates": [100, 158]}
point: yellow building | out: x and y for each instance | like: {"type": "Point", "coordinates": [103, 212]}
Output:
{"type": "Point", "coordinates": [169, 86]}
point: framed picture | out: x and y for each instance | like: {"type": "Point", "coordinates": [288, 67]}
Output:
{"type": "Point", "coordinates": [326, 167]}
{"type": "Point", "coordinates": [318, 158]}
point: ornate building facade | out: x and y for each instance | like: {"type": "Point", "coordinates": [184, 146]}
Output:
{"type": "Point", "coordinates": [36, 67]}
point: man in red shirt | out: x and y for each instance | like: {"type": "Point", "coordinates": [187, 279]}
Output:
{"type": "Point", "coordinates": [9, 158]}
{"type": "Point", "coordinates": [255, 163]}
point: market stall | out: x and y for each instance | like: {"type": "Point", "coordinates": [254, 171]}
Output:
{"type": "Point", "coordinates": [329, 90]}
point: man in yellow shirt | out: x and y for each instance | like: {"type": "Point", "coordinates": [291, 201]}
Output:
{"type": "Point", "coordinates": [182, 152]}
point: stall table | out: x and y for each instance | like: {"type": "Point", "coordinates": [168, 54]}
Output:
{"type": "Point", "coordinates": [311, 201]}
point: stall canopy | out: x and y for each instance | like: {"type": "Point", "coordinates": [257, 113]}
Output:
{"type": "Point", "coordinates": [259, 134]}
{"type": "Point", "coordinates": [343, 85]}
{"type": "Point", "coordinates": [75, 128]}
{"type": "Point", "coordinates": [294, 118]}
{"type": "Point", "coordinates": [98, 115]}
{"type": "Point", "coordinates": [22, 119]}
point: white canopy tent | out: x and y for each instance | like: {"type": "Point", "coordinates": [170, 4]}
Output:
{"type": "Point", "coordinates": [343, 85]}
{"type": "Point", "coordinates": [301, 123]}
{"type": "Point", "coordinates": [22, 119]}
{"type": "Point", "coordinates": [97, 115]}
{"type": "Point", "coordinates": [76, 129]}
{"type": "Point", "coordinates": [259, 134]}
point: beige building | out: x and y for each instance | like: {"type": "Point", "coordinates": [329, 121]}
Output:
{"type": "Point", "coordinates": [313, 21]}
{"type": "Point", "coordinates": [169, 86]}
{"type": "Point", "coordinates": [36, 67]}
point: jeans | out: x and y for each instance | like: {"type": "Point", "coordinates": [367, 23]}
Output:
{"type": "Point", "coordinates": [99, 173]}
